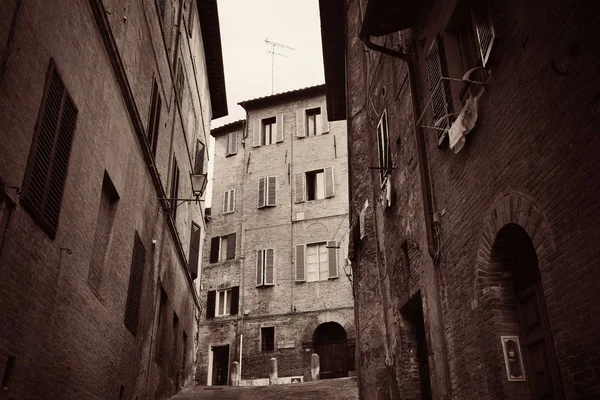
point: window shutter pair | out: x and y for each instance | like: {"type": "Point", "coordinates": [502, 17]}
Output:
{"type": "Point", "coordinates": [199, 161]}
{"type": "Point", "coordinates": [134, 292]}
{"type": "Point", "coordinates": [49, 157]}
{"type": "Point", "coordinates": [265, 260]}
{"type": "Point", "coordinates": [232, 143]}
{"type": "Point", "coordinates": [267, 192]}
{"type": "Point", "coordinates": [194, 250]}
{"type": "Point", "coordinates": [229, 201]}
{"type": "Point", "coordinates": [437, 88]}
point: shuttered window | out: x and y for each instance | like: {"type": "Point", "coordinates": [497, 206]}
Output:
{"type": "Point", "coordinates": [300, 264]}
{"type": "Point", "coordinates": [154, 118]}
{"type": "Point", "coordinates": [194, 249]}
{"type": "Point", "coordinates": [267, 338]}
{"type": "Point", "coordinates": [222, 248]}
{"type": "Point", "coordinates": [265, 260]}
{"type": "Point", "coordinates": [485, 34]}
{"type": "Point", "coordinates": [319, 184]}
{"type": "Point", "coordinates": [229, 201]}
{"type": "Point", "coordinates": [267, 192]}
{"type": "Point", "coordinates": [174, 188]}
{"type": "Point", "coordinates": [50, 153]}
{"type": "Point", "coordinates": [223, 302]}
{"type": "Point", "coordinates": [437, 88]}
{"type": "Point", "coordinates": [134, 292]}
{"type": "Point", "coordinates": [199, 160]}
{"type": "Point", "coordinates": [231, 143]}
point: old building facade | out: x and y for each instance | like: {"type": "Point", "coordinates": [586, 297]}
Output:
{"type": "Point", "coordinates": [274, 274]}
{"type": "Point", "coordinates": [104, 112]}
{"type": "Point", "coordinates": [473, 158]}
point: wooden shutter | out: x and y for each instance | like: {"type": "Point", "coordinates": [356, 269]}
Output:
{"type": "Point", "coordinates": [256, 134]}
{"type": "Point", "coordinates": [261, 192]}
{"type": "Point", "coordinates": [332, 258]}
{"type": "Point", "coordinates": [235, 300]}
{"type": "Point", "coordinates": [231, 246]}
{"type": "Point", "coordinates": [437, 87]}
{"type": "Point", "coordinates": [272, 191]}
{"type": "Point", "coordinates": [134, 292]}
{"type": "Point", "coordinates": [269, 269]}
{"type": "Point", "coordinates": [300, 264]}
{"type": "Point", "coordinates": [199, 161]}
{"type": "Point", "coordinates": [329, 183]}
{"type": "Point", "coordinates": [259, 268]}
{"type": "Point", "coordinates": [214, 249]}
{"type": "Point", "coordinates": [485, 35]}
{"type": "Point", "coordinates": [324, 119]}
{"type": "Point", "coordinates": [300, 130]}
{"type": "Point", "coordinates": [49, 157]}
{"type": "Point", "coordinates": [225, 201]}
{"type": "Point", "coordinates": [232, 143]}
{"type": "Point", "coordinates": [279, 124]}
{"type": "Point", "coordinates": [299, 187]}
{"type": "Point", "coordinates": [174, 188]}
{"type": "Point", "coordinates": [232, 200]}
{"type": "Point", "coordinates": [194, 250]}
{"type": "Point", "coordinates": [211, 298]}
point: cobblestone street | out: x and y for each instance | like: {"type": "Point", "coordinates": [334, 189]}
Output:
{"type": "Point", "coordinates": [330, 389]}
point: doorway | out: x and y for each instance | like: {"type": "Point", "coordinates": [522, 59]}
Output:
{"type": "Point", "coordinates": [513, 252]}
{"type": "Point", "coordinates": [220, 365]}
{"type": "Point", "coordinates": [330, 342]}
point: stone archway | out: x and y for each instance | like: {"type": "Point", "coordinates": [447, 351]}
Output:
{"type": "Point", "coordinates": [330, 342]}
{"type": "Point", "coordinates": [514, 253]}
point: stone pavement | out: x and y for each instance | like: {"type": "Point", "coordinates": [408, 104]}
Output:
{"type": "Point", "coordinates": [329, 389]}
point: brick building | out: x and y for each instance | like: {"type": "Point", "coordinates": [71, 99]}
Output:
{"type": "Point", "coordinates": [105, 107]}
{"type": "Point", "coordinates": [473, 159]}
{"type": "Point", "coordinates": [274, 274]}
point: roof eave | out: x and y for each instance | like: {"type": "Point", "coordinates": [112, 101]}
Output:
{"type": "Point", "coordinates": [276, 98]}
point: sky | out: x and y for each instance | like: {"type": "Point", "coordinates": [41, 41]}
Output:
{"type": "Point", "coordinates": [245, 24]}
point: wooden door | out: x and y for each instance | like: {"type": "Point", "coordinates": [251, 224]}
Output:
{"type": "Point", "coordinates": [220, 373]}
{"type": "Point", "coordinates": [542, 370]}
{"type": "Point", "coordinates": [332, 358]}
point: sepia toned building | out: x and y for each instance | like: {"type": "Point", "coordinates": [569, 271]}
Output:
{"type": "Point", "coordinates": [105, 109]}
{"type": "Point", "coordinates": [274, 278]}
{"type": "Point", "coordinates": [473, 158]}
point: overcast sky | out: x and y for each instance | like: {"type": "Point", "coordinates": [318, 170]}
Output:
{"type": "Point", "coordinates": [245, 24]}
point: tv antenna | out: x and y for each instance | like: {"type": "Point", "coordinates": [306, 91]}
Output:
{"type": "Point", "coordinates": [271, 50]}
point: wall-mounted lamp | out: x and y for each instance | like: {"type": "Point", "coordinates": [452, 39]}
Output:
{"type": "Point", "coordinates": [199, 182]}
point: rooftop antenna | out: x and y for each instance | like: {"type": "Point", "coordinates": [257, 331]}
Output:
{"type": "Point", "coordinates": [273, 53]}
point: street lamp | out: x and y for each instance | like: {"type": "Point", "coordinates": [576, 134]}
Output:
{"type": "Point", "coordinates": [199, 182]}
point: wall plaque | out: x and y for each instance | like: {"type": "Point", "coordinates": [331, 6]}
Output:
{"type": "Point", "coordinates": [513, 358]}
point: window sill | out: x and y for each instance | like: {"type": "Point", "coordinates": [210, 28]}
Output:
{"type": "Point", "coordinates": [231, 154]}
{"type": "Point", "coordinates": [228, 212]}
{"type": "Point", "coordinates": [266, 285]}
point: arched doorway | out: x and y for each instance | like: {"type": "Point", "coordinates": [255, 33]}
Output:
{"type": "Point", "coordinates": [514, 256]}
{"type": "Point", "coordinates": [330, 343]}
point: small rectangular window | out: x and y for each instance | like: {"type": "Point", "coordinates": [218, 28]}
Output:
{"type": "Point", "coordinates": [267, 338]}
{"type": "Point", "coordinates": [134, 292]}
{"type": "Point", "coordinates": [313, 122]}
{"type": "Point", "coordinates": [199, 159]}
{"type": "Point", "coordinates": [223, 302]}
{"type": "Point", "coordinates": [317, 262]}
{"type": "Point", "coordinates": [229, 201]}
{"type": "Point", "coordinates": [315, 185]}
{"type": "Point", "coordinates": [222, 248]}
{"type": "Point", "coordinates": [269, 131]}
{"type": "Point", "coordinates": [265, 260]}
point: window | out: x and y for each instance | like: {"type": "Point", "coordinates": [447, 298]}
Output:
{"type": "Point", "coordinates": [160, 351]}
{"type": "Point", "coordinates": [267, 131]}
{"type": "Point", "coordinates": [134, 292]}
{"type": "Point", "coordinates": [316, 261]}
{"type": "Point", "coordinates": [50, 150]}
{"type": "Point", "coordinates": [267, 192]}
{"type": "Point", "coordinates": [194, 249]}
{"type": "Point", "coordinates": [174, 188]}
{"type": "Point", "coordinates": [104, 228]}
{"type": "Point", "coordinates": [199, 160]}
{"type": "Point", "coordinates": [222, 248]}
{"type": "Point", "coordinates": [437, 89]}
{"type": "Point", "coordinates": [191, 18]}
{"type": "Point", "coordinates": [154, 118]}
{"type": "Point", "coordinates": [265, 260]}
{"type": "Point", "coordinates": [383, 142]}
{"type": "Point", "coordinates": [318, 184]}
{"type": "Point", "coordinates": [222, 302]}
{"type": "Point", "coordinates": [267, 338]}
{"type": "Point", "coordinates": [231, 144]}
{"type": "Point", "coordinates": [229, 201]}
{"type": "Point", "coordinates": [313, 122]}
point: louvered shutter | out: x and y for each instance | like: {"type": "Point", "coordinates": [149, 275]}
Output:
{"type": "Point", "coordinates": [256, 134]}
{"type": "Point", "coordinates": [194, 250]}
{"type": "Point", "coordinates": [214, 249]}
{"type": "Point", "coordinates": [332, 258]}
{"type": "Point", "coordinates": [231, 246]}
{"type": "Point", "coordinates": [299, 184]}
{"type": "Point", "coordinates": [259, 268]}
{"type": "Point", "coordinates": [261, 192]}
{"type": "Point", "coordinates": [134, 292]}
{"type": "Point", "coordinates": [329, 182]}
{"type": "Point", "coordinates": [199, 161]}
{"type": "Point", "coordinates": [226, 201]}
{"type": "Point", "coordinates": [485, 36]}
{"type": "Point", "coordinates": [211, 298]}
{"type": "Point", "coordinates": [300, 130]}
{"type": "Point", "coordinates": [232, 143]}
{"type": "Point", "coordinates": [279, 128]}
{"type": "Point", "coordinates": [235, 300]}
{"type": "Point", "coordinates": [300, 264]}
{"type": "Point", "coordinates": [324, 119]}
{"type": "Point", "coordinates": [437, 87]}
{"type": "Point", "coordinates": [271, 191]}
{"type": "Point", "coordinates": [49, 159]}
{"type": "Point", "coordinates": [232, 200]}
{"type": "Point", "coordinates": [270, 260]}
